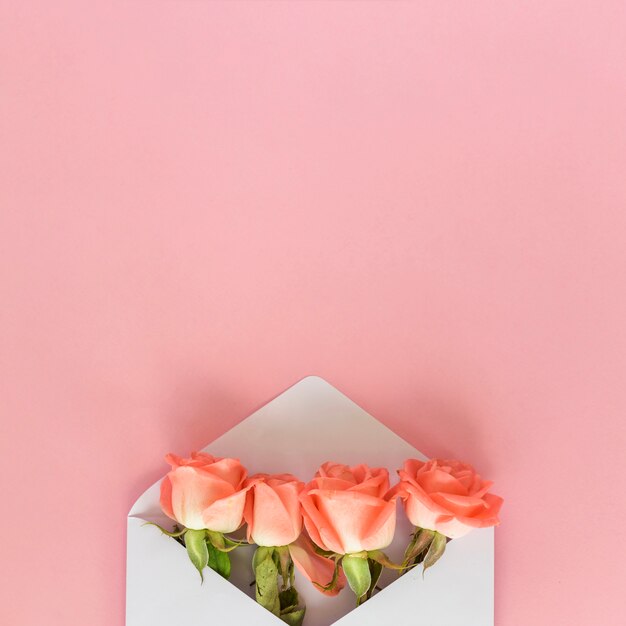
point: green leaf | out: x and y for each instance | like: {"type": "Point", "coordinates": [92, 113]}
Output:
{"type": "Point", "coordinates": [357, 571]}
{"type": "Point", "coordinates": [260, 555]}
{"type": "Point", "coordinates": [290, 612]}
{"type": "Point", "coordinates": [288, 600]}
{"type": "Point", "coordinates": [294, 618]}
{"type": "Point", "coordinates": [376, 569]}
{"type": "Point", "coordinates": [195, 542]}
{"type": "Point", "coordinates": [266, 574]}
{"type": "Point", "coordinates": [219, 561]}
{"type": "Point", "coordinates": [435, 551]}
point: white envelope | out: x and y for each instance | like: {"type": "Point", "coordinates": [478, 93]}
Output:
{"type": "Point", "coordinates": [296, 432]}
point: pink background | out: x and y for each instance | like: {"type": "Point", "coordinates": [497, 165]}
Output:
{"type": "Point", "coordinates": [201, 203]}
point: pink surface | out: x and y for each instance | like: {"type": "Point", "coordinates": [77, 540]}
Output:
{"type": "Point", "coordinates": [202, 203]}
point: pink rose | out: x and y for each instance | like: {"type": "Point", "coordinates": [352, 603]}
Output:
{"type": "Point", "coordinates": [345, 510]}
{"type": "Point", "coordinates": [447, 496]}
{"type": "Point", "coordinates": [205, 492]}
{"type": "Point", "coordinates": [273, 509]}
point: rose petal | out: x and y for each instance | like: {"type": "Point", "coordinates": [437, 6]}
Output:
{"type": "Point", "coordinates": [192, 492]}
{"type": "Point", "coordinates": [350, 515]}
{"type": "Point", "coordinates": [226, 515]}
{"type": "Point", "coordinates": [229, 470]}
{"type": "Point", "coordinates": [315, 567]}
{"type": "Point", "coordinates": [166, 497]}
{"type": "Point", "coordinates": [437, 480]}
{"type": "Point", "coordinates": [273, 523]}
{"type": "Point", "coordinates": [316, 524]}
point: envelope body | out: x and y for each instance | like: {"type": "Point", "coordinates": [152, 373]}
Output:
{"type": "Point", "coordinates": [310, 423]}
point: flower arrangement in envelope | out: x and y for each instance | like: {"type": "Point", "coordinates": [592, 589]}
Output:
{"type": "Point", "coordinates": [312, 512]}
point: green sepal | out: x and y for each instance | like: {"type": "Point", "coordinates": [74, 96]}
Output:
{"type": "Point", "coordinates": [421, 541]}
{"type": "Point", "coordinates": [380, 557]}
{"type": "Point", "coordinates": [357, 571]}
{"type": "Point", "coordinates": [284, 563]}
{"type": "Point", "coordinates": [376, 569]}
{"type": "Point", "coordinates": [178, 533]}
{"type": "Point", "coordinates": [294, 618]}
{"type": "Point", "coordinates": [222, 543]}
{"type": "Point", "coordinates": [219, 561]}
{"type": "Point", "coordinates": [195, 542]}
{"type": "Point", "coordinates": [292, 573]}
{"type": "Point", "coordinates": [234, 543]}
{"type": "Point", "coordinates": [276, 559]}
{"type": "Point", "coordinates": [417, 548]}
{"type": "Point", "coordinates": [216, 539]}
{"type": "Point", "coordinates": [260, 554]}
{"type": "Point", "coordinates": [266, 574]}
{"type": "Point", "coordinates": [435, 551]}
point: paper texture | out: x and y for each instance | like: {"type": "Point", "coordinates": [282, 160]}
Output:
{"type": "Point", "coordinates": [308, 424]}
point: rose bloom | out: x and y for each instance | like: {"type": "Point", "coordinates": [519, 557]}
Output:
{"type": "Point", "coordinates": [345, 510]}
{"type": "Point", "coordinates": [273, 509]}
{"type": "Point", "coordinates": [205, 492]}
{"type": "Point", "coordinates": [447, 496]}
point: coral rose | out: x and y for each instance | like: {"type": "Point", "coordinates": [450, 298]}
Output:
{"type": "Point", "coordinates": [345, 510]}
{"type": "Point", "coordinates": [273, 509]}
{"type": "Point", "coordinates": [205, 492]}
{"type": "Point", "coordinates": [446, 496]}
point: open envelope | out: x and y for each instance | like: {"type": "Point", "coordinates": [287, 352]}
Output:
{"type": "Point", "coordinates": [296, 432]}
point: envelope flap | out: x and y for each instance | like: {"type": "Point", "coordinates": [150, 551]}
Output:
{"type": "Point", "coordinates": [310, 423]}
